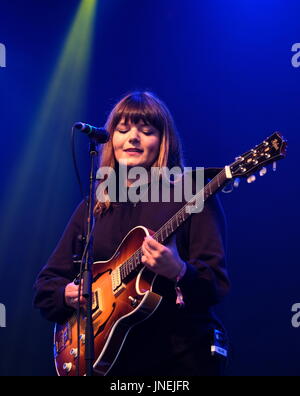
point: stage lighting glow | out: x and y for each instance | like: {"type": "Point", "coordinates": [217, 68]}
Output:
{"type": "Point", "coordinates": [42, 170]}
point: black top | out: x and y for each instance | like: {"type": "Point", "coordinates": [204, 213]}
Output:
{"type": "Point", "coordinates": [200, 242]}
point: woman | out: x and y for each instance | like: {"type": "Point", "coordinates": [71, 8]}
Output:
{"type": "Point", "coordinates": [192, 277]}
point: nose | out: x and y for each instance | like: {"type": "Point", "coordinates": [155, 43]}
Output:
{"type": "Point", "coordinates": [133, 135]}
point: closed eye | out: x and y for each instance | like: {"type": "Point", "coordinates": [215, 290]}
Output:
{"type": "Point", "coordinates": [147, 133]}
{"type": "Point", "coordinates": [122, 130]}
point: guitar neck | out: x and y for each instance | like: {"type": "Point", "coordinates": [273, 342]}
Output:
{"type": "Point", "coordinates": [134, 262]}
{"type": "Point", "coordinates": [213, 186]}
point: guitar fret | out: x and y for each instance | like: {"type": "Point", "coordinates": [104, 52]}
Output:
{"type": "Point", "coordinates": [173, 224]}
{"type": "Point", "coordinates": [129, 265]}
{"type": "Point", "coordinates": [169, 228]}
{"type": "Point", "coordinates": [166, 232]}
{"type": "Point", "coordinates": [135, 260]}
{"type": "Point", "coordinates": [181, 218]}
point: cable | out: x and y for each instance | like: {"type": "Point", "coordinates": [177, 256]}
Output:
{"type": "Point", "coordinates": [75, 163]}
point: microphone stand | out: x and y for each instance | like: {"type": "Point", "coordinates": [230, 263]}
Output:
{"type": "Point", "coordinates": [87, 271]}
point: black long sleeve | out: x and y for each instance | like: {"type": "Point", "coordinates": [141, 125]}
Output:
{"type": "Point", "coordinates": [206, 280]}
{"type": "Point", "coordinates": [59, 270]}
{"type": "Point", "coordinates": [200, 241]}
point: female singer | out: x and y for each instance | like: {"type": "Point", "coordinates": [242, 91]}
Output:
{"type": "Point", "coordinates": [191, 272]}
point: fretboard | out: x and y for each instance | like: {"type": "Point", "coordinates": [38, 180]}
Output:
{"type": "Point", "coordinates": [134, 262]}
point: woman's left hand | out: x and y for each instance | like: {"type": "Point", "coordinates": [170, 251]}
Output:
{"type": "Point", "coordinates": [163, 260]}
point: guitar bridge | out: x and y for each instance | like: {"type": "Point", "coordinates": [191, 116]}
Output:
{"type": "Point", "coordinates": [97, 305]}
{"type": "Point", "coordinates": [119, 290]}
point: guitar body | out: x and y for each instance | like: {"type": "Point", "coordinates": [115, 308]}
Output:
{"type": "Point", "coordinates": [116, 309]}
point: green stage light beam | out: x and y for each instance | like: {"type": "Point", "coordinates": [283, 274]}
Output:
{"type": "Point", "coordinates": [48, 140]}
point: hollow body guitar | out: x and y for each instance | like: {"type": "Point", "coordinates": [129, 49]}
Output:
{"type": "Point", "coordinates": [120, 300]}
{"type": "Point", "coordinates": [123, 288]}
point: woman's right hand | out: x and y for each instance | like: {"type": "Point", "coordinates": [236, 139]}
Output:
{"type": "Point", "coordinates": [71, 296]}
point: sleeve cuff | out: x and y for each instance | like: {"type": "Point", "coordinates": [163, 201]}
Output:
{"type": "Point", "coordinates": [189, 276]}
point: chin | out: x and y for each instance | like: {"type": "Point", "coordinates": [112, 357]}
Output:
{"type": "Point", "coordinates": [129, 162]}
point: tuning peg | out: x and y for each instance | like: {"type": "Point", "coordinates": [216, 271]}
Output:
{"type": "Point", "coordinates": [274, 166]}
{"type": "Point", "coordinates": [251, 179]}
{"type": "Point", "coordinates": [236, 182]}
{"type": "Point", "coordinates": [263, 171]}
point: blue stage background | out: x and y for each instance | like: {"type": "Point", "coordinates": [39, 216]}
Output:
{"type": "Point", "coordinates": [224, 68]}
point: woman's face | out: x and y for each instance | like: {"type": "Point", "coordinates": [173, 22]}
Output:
{"type": "Point", "coordinates": [136, 144]}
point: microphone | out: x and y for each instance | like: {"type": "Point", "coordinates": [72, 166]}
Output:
{"type": "Point", "coordinates": [100, 135]}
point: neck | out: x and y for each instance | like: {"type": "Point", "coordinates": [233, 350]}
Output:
{"type": "Point", "coordinates": [140, 179]}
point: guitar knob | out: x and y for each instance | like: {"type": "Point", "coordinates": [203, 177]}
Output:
{"type": "Point", "coordinates": [67, 367]}
{"type": "Point", "coordinates": [74, 352]}
{"type": "Point", "coordinates": [134, 301]}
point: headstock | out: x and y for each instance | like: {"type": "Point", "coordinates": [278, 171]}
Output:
{"type": "Point", "coordinates": [269, 151]}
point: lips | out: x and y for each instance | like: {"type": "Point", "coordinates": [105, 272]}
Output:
{"type": "Point", "coordinates": [133, 150]}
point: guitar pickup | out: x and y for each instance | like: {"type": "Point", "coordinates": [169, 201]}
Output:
{"type": "Point", "coordinates": [97, 303]}
{"type": "Point", "coordinates": [116, 279]}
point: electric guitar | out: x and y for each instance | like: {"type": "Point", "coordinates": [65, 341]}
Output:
{"type": "Point", "coordinates": [122, 286]}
